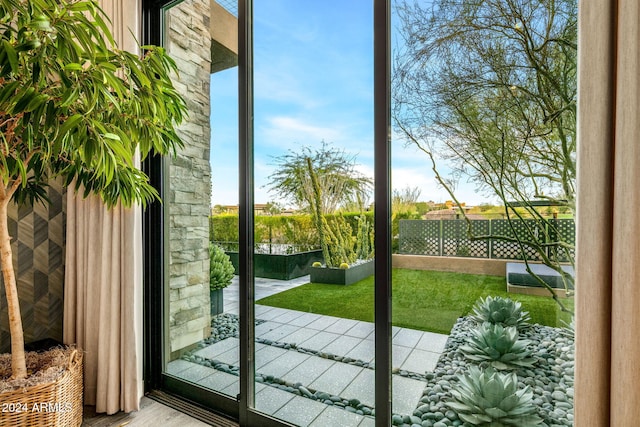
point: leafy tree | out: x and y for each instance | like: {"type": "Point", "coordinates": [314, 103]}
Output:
{"type": "Point", "coordinates": [73, 105]}
{"type": "Point", "coordinates": [336, 173]}
{"type": "Point", "coordinates": [489, 86]}
{"type": "Point", "coordinates": [405, 200]}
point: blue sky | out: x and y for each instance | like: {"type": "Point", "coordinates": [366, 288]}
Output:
{"type": "Point", "coordinates": [313, 82]}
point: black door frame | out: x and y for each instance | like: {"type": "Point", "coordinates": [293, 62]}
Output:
{"type": "Point", "coordinates": [154, 231]}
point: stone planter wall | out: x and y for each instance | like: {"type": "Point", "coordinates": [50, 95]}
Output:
{"type": "Point", "coordinates": [281, 267]}
{"type": "Point", "coordinates": [188, 41]}
{"type": "Point", "coordinates": [342, 276]}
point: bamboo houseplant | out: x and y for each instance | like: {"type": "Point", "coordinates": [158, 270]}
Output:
{"type": "Point", "coordinates": [72, 105]}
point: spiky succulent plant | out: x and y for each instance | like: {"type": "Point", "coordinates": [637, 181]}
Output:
{"type": "Point", "coordinates": [491, 398]}
{"type": "Point", "coordinates": [499, 346]}
{"type": "Point", "coordinates": [501, 311]}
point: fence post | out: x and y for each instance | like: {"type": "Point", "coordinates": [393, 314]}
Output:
{"type": "Point", "coordinates": [490, 238]}
{"type": "Point", "coordinates": [441, 238]}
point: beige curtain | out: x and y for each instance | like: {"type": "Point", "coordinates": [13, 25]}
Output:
{"type": "Point", "coordinates": [103, 278]}
{"type": "Point", "coordinates": [608, 259]}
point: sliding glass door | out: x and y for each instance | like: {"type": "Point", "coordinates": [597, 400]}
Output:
{"type": "Point", "coordinates": [269, 264]}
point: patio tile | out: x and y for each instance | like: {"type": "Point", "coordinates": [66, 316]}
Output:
{"type": "Point", "coordinates": [337, 417]}
{"type": "Point", "coordinates": [406, 394]}
{"type": "Point", "coordinates": [399, 354]}
{"type": "Point", "coordinates": [231, 308]}
{"type": "Point", "coordinates": [277, 333]}
{"type": "Point", "coordinates": [319, 341]}
{"type": "Point", "coordinates": [271, 399]}
{"type": "Point", "coordinates": [309, 370]}
{"type": "Point", "coordinates": [305, 319]}
{"type": "Point", "coordinates": [299, 336]}
{"type": "Point", "coordinates": [218, 381]}
{"type": "Point", "coordinates": [288, 317]}
{"type": "Point", "coordinates": [407, 337]}
{"type": "Point", "coordinates": [283, 364]}
{"type": "Point", "coordinates": [273, 313]}
{"type": "Point", "coordinates": [177, 366]}
{"type": "Point", "coordinates": [265, 327]}
{"type": "Point", "coordinates": [267, 354]}
{"type": "Point", "coordinates": [361, 330]}
{"type": "Point", "coordinates": [362, 388]}
{"type": "Point", "coordinates": [341, 326]}
{"type": "Point", "coordinates": [420, 361]}
{"type": "Point", "coordinates": [335, 379]}
{"type": "Point", "coordinates": [233, 389]}
{"type": "Point", "coordinates": [196, 373]}
{"type": "Point", "coordinates": [262, 309]}
{"type": "Point", "coordinates": [322, 323]}
{"type": "Point", "coordinates": [367, 422]}
{"type": "Point", "coordinates": [364, 351]}
{"type": "Point", "coordinates": [432, 342]}
{"type": "Point", "coordinates": [231, 357]}
{"type": "Point", "coordinates": [212, 351]}
{"type": "Point", "coordinates": [342, 345]}
{"type": "Point", "coordinates": [300, 411]}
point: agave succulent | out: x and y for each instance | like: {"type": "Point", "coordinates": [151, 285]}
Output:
{"type": "Point", "coordinates": [501, 311]}
{"type": "Point", "coordinates": [499, 346]}
{"type": "Point", "coordinates": [491, 398]}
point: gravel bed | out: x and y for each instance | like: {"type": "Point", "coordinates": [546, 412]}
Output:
{"type": "Point", "coordinates": [551, 378]}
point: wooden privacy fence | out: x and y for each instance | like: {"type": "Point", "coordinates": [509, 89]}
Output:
{"type": "Point", "coordinates": [449, 237]}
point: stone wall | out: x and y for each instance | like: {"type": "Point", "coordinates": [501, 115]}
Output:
{"type": "Point", "coordinates": [188, 41]}
{"type": "Point", "coordinates": [38, 254]}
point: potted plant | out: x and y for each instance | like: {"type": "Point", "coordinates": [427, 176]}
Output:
{"type": "Point", "coordinates": [74, 106]}
{"type": "Point", "coordinates": [221, 272]}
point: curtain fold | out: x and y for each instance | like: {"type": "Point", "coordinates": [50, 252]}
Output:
{"type": "Point", "coordinates": [608, 250]}
{"type": "Point", "coordinates": [103, 278]}
{"type": "Point", "coordinates": [103, 300]}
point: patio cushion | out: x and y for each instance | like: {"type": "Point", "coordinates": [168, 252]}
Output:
{"type": "Point", "coordinates": [517, 275]}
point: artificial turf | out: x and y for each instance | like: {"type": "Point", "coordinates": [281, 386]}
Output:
{"type": "Point", "coordinates": [424, 300]}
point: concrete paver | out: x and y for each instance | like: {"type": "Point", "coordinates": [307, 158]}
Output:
{"type": "Point", "coordinates": [414, 351]}
{"type": "Point", "coordinates": [336, 417]}
{"type": "Point", "coordinates": [269, 400]}
{"type": "Point", "coordinates": [307, 371]}
{"type": "Point", "coordinates": [300, 411]}
{"type": "Point", "coordinates": [335, 379]}
{"type": "Point", "coordinates": [420, 361]}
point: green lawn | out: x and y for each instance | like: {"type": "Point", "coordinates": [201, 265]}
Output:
{"type": "Point", "coordinates": [424, 300]}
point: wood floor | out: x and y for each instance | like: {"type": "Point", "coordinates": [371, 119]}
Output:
{"type": "Point", "coordinates": [151, 413]}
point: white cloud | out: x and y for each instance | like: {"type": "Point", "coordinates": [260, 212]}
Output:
{"type": "Point", "coordinates": [289, 132]}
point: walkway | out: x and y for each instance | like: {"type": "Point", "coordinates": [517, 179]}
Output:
{"type": "Point", "coordinates": [331, 355]}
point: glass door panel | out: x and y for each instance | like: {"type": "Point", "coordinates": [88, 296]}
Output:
{"type": "Point", "coordinates": [483, 206]}
{"type": "Point", "coordinates": [313, 154]}
{"type": "Point", "coordinates": [202, 346]}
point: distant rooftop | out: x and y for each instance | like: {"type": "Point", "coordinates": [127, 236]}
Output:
{"type": "Point", "coordinates": [230, 5]}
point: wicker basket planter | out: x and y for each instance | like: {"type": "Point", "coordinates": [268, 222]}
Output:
{"type": "Point", "coordinates": [57, 403]}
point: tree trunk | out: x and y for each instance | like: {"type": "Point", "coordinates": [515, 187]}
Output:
{"type": "Point", "coordinates": [18, 365]}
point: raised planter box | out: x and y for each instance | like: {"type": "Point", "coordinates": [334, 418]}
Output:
{"type": "Point", "coordinates": [520, 281]}
{"type": "Point", "coordinates": [217, 301]}
{"type": "Point", "coordinates": [281, 267]}
{"type": "Point", "coordinates": [342, 276]}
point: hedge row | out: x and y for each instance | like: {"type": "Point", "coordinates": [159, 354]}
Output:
{"type": "Point", "coordinates": [291, 229]}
